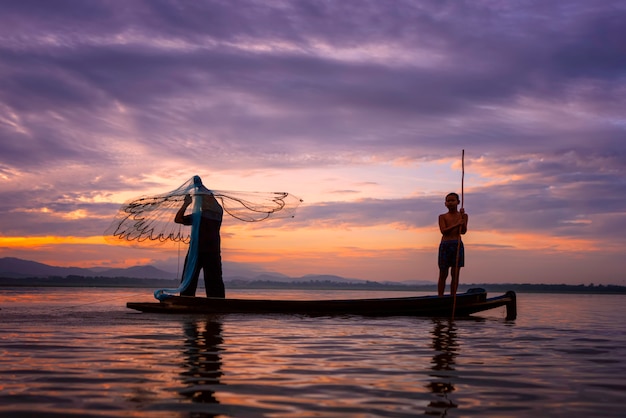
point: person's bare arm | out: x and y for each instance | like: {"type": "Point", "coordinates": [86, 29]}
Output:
{"type": "Point", "coordinates": [181, 212]}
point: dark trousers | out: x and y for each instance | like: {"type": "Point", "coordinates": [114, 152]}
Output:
{"type": "Point", "coordinates": [211, 265]}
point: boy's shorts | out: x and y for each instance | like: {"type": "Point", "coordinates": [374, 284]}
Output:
{"type": "Point", "coordinates": [447, 254]}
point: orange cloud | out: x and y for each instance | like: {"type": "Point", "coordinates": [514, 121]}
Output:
{"type": "Point", "coordinates": [35, 242]}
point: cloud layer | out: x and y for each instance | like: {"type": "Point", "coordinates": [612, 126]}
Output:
{"type": "Point", "coordinates": [102, 101]}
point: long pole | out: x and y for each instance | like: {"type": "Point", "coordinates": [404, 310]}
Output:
{"type": "Point", "coordinates": [458, 248]}
{"type": "Point", "coordinates": [462, 176]}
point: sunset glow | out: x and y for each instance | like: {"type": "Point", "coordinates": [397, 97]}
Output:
{"type": "Point", "coordinates": [364, 122]}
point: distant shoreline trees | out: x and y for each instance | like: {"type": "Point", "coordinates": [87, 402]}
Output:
{"type": "Point", "coordinates": [125, 282]}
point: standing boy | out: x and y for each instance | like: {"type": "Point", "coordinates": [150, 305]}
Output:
{"type": "Point", "coordinates": [452, 225]}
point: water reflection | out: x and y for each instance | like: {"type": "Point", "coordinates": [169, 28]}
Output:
{"type": "Point", "coordinates": [202, 360]}
{"type": "Point", "coordinates": [444, 343]}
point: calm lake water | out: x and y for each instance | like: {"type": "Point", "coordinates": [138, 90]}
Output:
{"type": "Point", "coordinates": [82, 353]}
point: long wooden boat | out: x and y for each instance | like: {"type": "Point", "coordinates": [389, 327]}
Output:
{"type": "Point", "coordinates": [471, 302]}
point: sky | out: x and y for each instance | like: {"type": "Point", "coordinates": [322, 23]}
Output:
{"type": "Point", "coordinates": [360, 108]}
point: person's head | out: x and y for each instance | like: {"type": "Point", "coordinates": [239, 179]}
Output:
{"type": "Point", "coordinates": [452, 199]}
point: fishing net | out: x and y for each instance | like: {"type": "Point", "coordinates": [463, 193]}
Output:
{"type": "Point", "coordinates": [149, 220]}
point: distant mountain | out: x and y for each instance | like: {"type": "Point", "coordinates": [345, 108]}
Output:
{"type": "Point", "coordinates": [267, 277]}
{"type": "Point", "coordinates": [16, 268]}
{"type": "Point", "coordinates": [11, 267]}
{"type": "Point", "coordinates": [150, 272]}
{"type": "Point", "coordinates": [411, 282]}
{"type": "Point", "coordinates": [328, 278]}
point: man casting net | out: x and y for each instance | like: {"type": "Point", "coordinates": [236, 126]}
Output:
{"type": "Point", "coordinates": [161, 218]}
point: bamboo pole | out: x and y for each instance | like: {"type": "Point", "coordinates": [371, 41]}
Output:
{"type": "Point", "coordinates": [458, 248]}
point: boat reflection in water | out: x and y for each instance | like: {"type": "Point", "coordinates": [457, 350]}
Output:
{"type": "Point", "coordinates": [202, 360]}
{"type": "Point", "coordinates": [444, 343]}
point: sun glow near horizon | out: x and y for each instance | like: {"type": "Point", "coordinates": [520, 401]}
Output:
{"type": "Point", "coordinates": [398, 253]}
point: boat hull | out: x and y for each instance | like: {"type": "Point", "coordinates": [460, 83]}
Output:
{"type": "Point", "coordinates": [471, 302]}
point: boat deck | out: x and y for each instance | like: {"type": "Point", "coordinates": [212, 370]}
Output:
{"type": "Point", "coordinates": [471, 302]}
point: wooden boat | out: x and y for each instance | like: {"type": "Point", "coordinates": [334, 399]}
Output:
{"type": "Point", "coordinates": [471, 302]}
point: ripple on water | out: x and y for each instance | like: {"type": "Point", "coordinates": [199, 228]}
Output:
{"type": "Point", "coordinates": [553, 361]}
